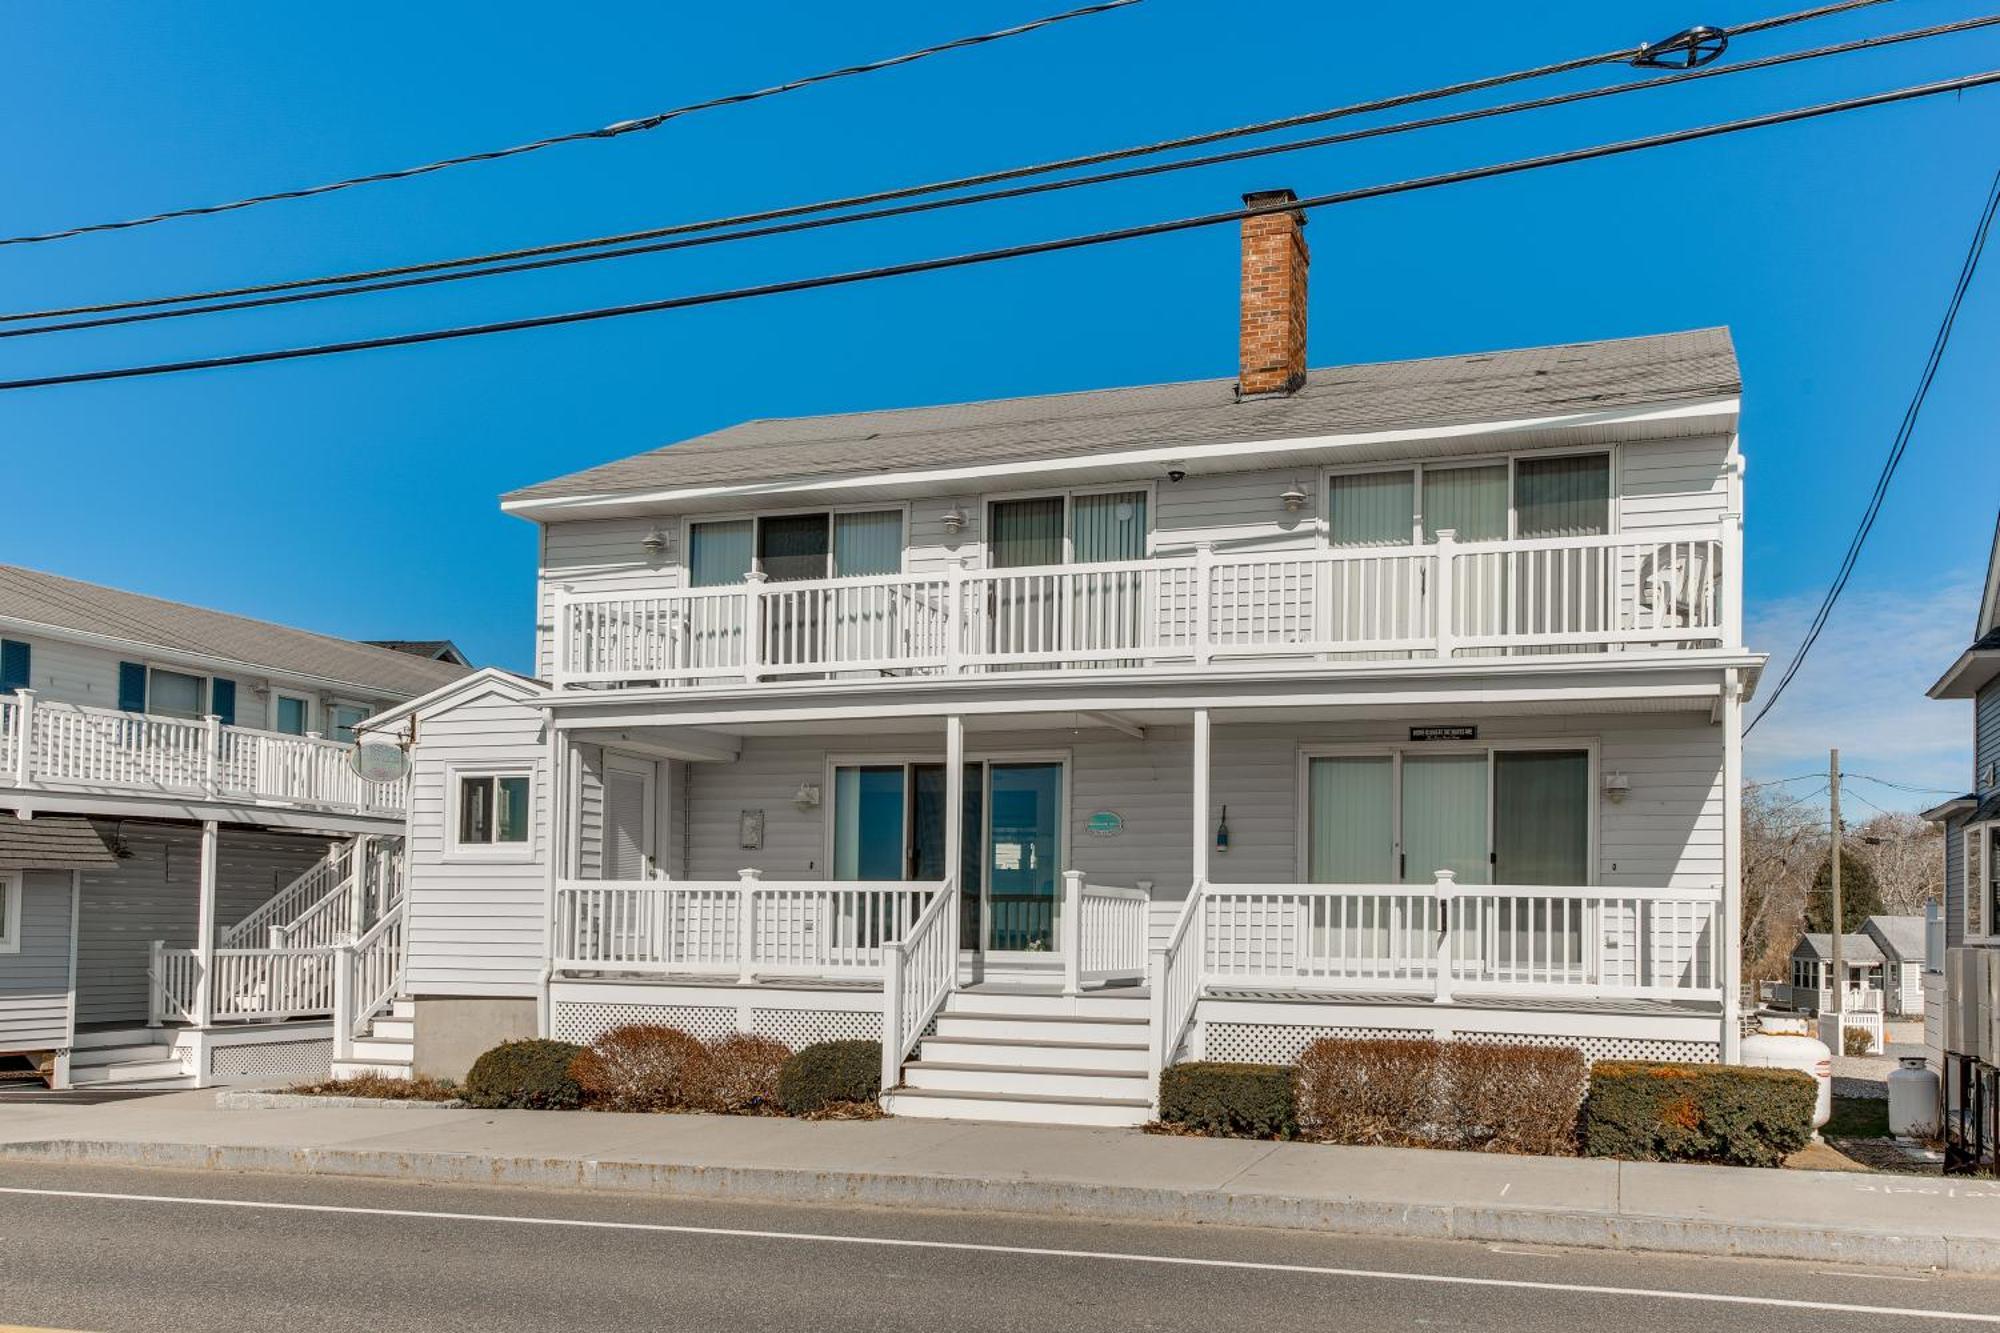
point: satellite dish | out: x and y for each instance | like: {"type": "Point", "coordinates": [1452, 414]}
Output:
{"type": "Point", "coordinates": [375, 761]}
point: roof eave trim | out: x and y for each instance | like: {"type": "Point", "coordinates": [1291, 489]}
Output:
{"type": "Point", "coordinates": [211, 661]}
{"type": "Point", "coordinates": [1972, 672]}
{"type": "Point", "coordinates": [1944, 810]}
{"type": "Point", "coordinates": [486, 678]}
{"type": "Point", "coordinates": [1678, 409]}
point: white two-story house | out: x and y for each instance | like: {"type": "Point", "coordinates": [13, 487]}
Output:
{"type": "Point", "coordinates": [183, 841]}
{"type": "Point", "coordinates": [1051, 740]}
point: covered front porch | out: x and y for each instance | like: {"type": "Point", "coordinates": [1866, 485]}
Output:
{"type": "Point", "coordinates": [1548, 863]}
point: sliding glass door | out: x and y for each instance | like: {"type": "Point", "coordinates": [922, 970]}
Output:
{"type": "Point", "coordinates": [889, 824]}
{"type": "Point", "coordinates": [1508, 816]}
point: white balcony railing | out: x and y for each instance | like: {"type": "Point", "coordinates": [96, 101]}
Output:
{"type": "Point", "coordinates": [745, 928]}
{"type": "Point", "coordinates": [1649, 591]}
{"type": "Point", "coordinates": [74, 747]}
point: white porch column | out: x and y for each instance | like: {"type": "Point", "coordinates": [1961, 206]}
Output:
{"type": "Point", "coordinates": [204, 996]}
{"type": "Point", "coordinates": [1201, 795]}
{"type": "Point", "coordinates": [954, 812]}
{"type": "Point", "coordinates": [1732, 866]}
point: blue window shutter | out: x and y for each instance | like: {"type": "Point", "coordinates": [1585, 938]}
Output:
{"type": "Point", "coordinates": [14, 666]}
{"type": "Point", "coordinates": [132, 686]}
{"type": "Point", "coordinates": [222, 700]}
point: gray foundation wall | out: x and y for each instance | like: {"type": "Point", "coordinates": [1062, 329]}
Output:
{"type": "Point", "coordinates": [452, 1031]}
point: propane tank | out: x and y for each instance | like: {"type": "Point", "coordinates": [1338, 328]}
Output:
{"type": "Point", "coordinates": [1785, 1042]}
{"type": "Point", "coordinates": [1913, 1099]}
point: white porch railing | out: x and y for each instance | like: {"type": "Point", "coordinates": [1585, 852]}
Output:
{"type": "Point", "coordinates": [1174, 972]}
{"type": "Point", "coordinates": [1103, 933]}
{"type": "Point", "coordinates": [746, 928]}
{"type": "Point", "coordinates": [1447, 939]}
{"type": "Point", "coordinates": [919, 970]}
{"type": "Point", "coordinates": [76, 747]}
{"type": "Point", "coordinates": [1624, 592]}
{"type": "Point", "coordinates": [248, 985]}
{"type": "Point", "coordinates": [368, 974]}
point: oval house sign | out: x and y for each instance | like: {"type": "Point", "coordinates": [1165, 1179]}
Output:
{"type": "Point", "coordinates": [374, 761]}
{"type": "Point", "coordinates": [1104, 823]}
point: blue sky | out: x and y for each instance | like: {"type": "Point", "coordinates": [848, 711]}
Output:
{"type": "Point", "coordinates": [357, 495]}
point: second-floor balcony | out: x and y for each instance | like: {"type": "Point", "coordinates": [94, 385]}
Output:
{"type": "Point", "coordinates": [1657, 591]}
{"type": "Point", "coordinates": [61, 747]}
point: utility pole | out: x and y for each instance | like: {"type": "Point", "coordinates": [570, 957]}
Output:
{"type": "Point", "coordinates": [1839, 1002]}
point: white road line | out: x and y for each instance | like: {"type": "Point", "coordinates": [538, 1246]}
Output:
{"type": "Point", "coordinates": [1032, 1251]}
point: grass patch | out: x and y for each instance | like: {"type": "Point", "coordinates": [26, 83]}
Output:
{"type": "Point", "coordinates": [422, 1088]}
{"type": "Point", "coordinates": [1858, 1118]}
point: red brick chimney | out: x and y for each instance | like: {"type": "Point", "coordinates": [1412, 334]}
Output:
{"type": "Point", "coordinates": [1272, 344]}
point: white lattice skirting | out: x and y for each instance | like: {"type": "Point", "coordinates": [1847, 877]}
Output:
{"type": "Point", "coordinates": [585, 1021]}
{"type": "Point", "coordinates": [275, 1059]}
{"type": "Point", "coordinates": [1281, 1043]}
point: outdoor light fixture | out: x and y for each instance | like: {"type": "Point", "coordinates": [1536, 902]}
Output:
{"type": "Point", "coordinates": [807, 796]}
{"type": "Point", "coordinates": [1293, 500]}
{"type": "Point", "coordinates": [654, 542]}
{"type": "Point", "coordinates": [953, 519]}
{"type": "Point", "coordinates": [1616, 787]}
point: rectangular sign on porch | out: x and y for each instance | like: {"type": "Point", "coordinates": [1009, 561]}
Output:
{"type": "Point", "coordinates": [1451, 733]}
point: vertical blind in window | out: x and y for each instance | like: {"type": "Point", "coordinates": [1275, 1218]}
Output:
{"type": "Point", "coordinates": [1372, 508]}
{"type": "Point", "coordinates": [1541, 817]}
{"type": "Point", "coordinates": [1444, 817]}
{"type": "Point", "coordinates": [870, 543]}
{"type": "Point", "coordinates": [1350, 821]}
{"type": "Point", "coordinates": [719, 553]}
{"type": "Point", "coordinates": [1471, 501]}
{"type": "Point", "coordinates": [1027, 532]}
{"type": "Point", "coordinates": [1109, 527]}
{"type": "Point", "coordinates": [1563, 497]}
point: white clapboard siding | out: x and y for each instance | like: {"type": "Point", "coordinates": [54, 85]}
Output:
{"type": "Point", "coordinates": [1238, 511]}
{"type": "Point", "coordinates": [475, 926]}
{"type": "Point", "coordinates": [34, 983]}
{"type": "Point", "coordinates": [589, 811]}
{"type": "Point", "coordinates": [153, 893]}
{"type": "Point", "coordinates": [599, 555]}
{"type": "Point", "coordinates": [1672, 483]}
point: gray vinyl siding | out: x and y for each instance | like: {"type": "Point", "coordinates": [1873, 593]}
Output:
{"type": "Point", "coordinates": [589, 811]}
{"type": "Point", "coordinates": [153, 893]}
{"type": "Point", "coordinates": [599, 555]}
{"type": "Point", "coordinates": [64, 672]}
{"type": "Point", "coordinates": [476, 926]}
{"type": "Point", "coordinates": [1672, 483]}
{"type": "Point", "coordinates": [34, 983]}
{"type": "Point", "coordinates": [1667, 832]}
{"type": "Point", "coordinates": [1954, 882]}
{"type": "Point", "coordinates": [1986, 736]}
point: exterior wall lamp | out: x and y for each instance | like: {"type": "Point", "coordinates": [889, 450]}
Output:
{"type": "Point", "coordinates": [654, 542]}
{"type": "Point", "coordinates": [953, 520]}
{"type": "Point", "coordinates": [1293, 500]}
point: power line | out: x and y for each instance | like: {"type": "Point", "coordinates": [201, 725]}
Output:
{"type": "Point", "coordinates": [1905, 786]}
{"type": "Point", "coordinates": [684, 241]}
{"type": "Point", "coordinates": [1779, 782]}
{"type": "Point", "coordinates": [1956, 85]}
{"type": "Point", "coordinates": [612, 131]}
{"type": "Point", "coordinates": [1039, 169]}
{"type": "Point", "coordinates": [1897, 448]}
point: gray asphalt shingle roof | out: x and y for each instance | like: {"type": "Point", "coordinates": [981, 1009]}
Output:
{"type": "Point", "coordinates": [90, 608]}
{"type": "Point", "coordinates": [1435, 391]}
{"type": "Point", "coordinates": [1904, 935]}
{"type": "Point", "coordinates": [53, 842]}
{"type": "Point", "coordinates": [1853, 948]}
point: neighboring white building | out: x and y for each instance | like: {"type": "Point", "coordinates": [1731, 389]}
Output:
{"type": "Point", "coordinates": [1054, 739]}
{"type": "Point", "coordinates": [176, 803]}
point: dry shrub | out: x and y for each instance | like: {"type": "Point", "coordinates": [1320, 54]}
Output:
{"type": "Point", "coordinates": [1368, 1091]}
{"type": "Point", "coordinates": [643, 1067]}
{"type": "Point", "coordinates": [1411, 1092]}
{"type": "Point", "coordinates": [1520, 1099]}
{"type": "Point", "coordinates": [421, 1088]}
{"type": "Point", "coordinates": [742, 1072]}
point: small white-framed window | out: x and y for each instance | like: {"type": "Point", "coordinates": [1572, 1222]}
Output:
{"type": "Point", "coordinates": [291, 714]}
{"type": "Point", "coordinates": [492, 813]}
{"type": "Point", "coordinates": [10, 911]}
{"type": "Point", "coordinates": [343, 718]}
{"type": "Point", "coordinates": [176, 694]}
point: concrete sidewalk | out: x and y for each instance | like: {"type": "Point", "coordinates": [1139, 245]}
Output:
{"type": "Point", "coordinates": [1839, 1217]}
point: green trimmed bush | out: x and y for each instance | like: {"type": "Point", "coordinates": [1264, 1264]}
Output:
{"type": "Point", "coordinates": [1222, 1097]}
{"type": "Point", "coordinates": [525, 1075]}
{"type": "Point", "coordinates": [1697, 1113]}
{"type": "Point", "coordinates": [831, 1073]}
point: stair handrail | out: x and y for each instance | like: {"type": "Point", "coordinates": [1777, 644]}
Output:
{"type": "Point", "coordinates": [294, 900]}
{"type": "Point", "coordinates": [1174, 976]}
{"type": "Point", "coordinates": [918, 973]}
{"type": "Point", "coordinates": [327, 922]}
{"type": "Point", "coordinates": [373, 966]}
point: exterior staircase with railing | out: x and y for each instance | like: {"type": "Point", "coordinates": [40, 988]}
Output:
{"type": "Point", "coordinates": [1005, 1054]}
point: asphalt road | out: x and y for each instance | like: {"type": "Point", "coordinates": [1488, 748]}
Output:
{"type": "Point", "coordinates": [113, 1249]}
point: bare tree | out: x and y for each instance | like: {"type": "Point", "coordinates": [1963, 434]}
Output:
{"type": "Point", "coordinates": [1906, 852]}
{"type": "Point", "coordinates": [1784, 841]}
